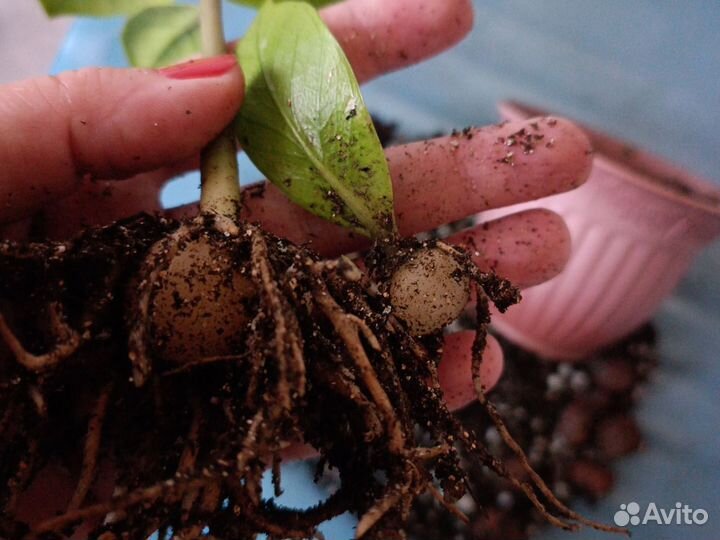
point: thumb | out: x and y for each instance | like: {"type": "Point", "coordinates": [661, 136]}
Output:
{"type": "Point", "coordinates": [107, 123]}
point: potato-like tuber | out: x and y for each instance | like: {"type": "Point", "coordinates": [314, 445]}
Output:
{"type": "Point", "coordinates": [429, 290]}
{"type": "Point", "coordinates": [202, 304]}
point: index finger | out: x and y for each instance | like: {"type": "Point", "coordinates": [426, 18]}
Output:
{"type": "Point", "coordinates": [444, 180]}
{"type": "Point", "coordinates": [107, 122]}
{"type": "Point", "coordinates": [383, 35]}
{"type": "Point", "coordinates": [378, 36]}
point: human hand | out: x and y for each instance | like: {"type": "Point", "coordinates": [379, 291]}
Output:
{"type": "Point", "coordinates": [64, 137]}
{"type": "Point", "coordinates": [66, 142]}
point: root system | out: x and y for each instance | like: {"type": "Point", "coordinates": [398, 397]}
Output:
{"type": "Point", "coordinates": [322, 361]}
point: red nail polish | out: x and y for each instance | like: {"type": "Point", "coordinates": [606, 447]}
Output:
{"type": "Point", "coordinates": [200, 69]}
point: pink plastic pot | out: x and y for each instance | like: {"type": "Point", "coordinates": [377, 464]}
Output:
{"type": "Point", "coordinates": [636, 226]}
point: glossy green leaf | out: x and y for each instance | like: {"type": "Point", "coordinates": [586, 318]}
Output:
{"type": "Point", "coordinates": [160, 36]}
{"type": "Point", "coordinates": [304, 123]}
{"type": "Point", "coordinates": [258, 3]}
{"type": "Point", "coordinates": [98, 8]}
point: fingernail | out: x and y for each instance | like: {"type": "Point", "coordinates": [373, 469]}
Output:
{"type": "Point", "coordinates": [200, 69]}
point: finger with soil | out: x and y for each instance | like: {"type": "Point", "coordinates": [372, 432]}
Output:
{"type": "Point", "coordinates": [442, 180]}
{"type": "Point", "coordinates": [380, 36]}
{"type": "Point", "coordinates": [96, 203]}
{"type": "Point", "coordinates": [527, 248]}
{"type": "Point", "coordinates": [455, 368]}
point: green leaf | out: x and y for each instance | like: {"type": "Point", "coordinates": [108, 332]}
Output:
{"type": "Point", "coordinates": [98, 8]}
{"type": "Point", "coordinates": [304, 123]}
{"type": "Point", "coordinates": [258, 3]}
{"type": "Point", "coordinates": [160, 36]}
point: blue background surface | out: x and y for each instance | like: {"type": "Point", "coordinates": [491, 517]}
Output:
{"type": "Point", "coordinates": [646, 70]}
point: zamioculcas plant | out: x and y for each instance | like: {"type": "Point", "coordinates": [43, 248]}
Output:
{"type": "Point", "coordinates": [209, 346]}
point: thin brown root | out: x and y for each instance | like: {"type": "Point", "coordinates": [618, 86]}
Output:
{"type": "Point", "coordinates": [495, 465]}
{"type": "Point", "coordinates": [92, 450]}
{"type": "Point", "coordinates": [379, 343]}
{"type": "Point", "coordinates": [263, 274]}
{"type": "Point", "coordinates": [11, 413]}
{"type": "Point", "coordinates": [342, 383]}
{"type": "Point", "coordinates": [529, 492]}
{"type": "Point", "coordinates": [420, 352]}
{"type": "Point", "coordinates": [347, 328]}
{"type": "Point", "coordinates": [211, 497]}
{"type": "Point", "coordinates": [209, 502]}
{"type": "Point", "coordinates": [255, 350]}
{"type": "Point", "coordinates": [168, 490]}
{"type": "Point", "coordinates": [249, 443]}
{"type": "Point", "coordinates": [276, 475]}
{"type": "Point", "coordinates": [203, 362]}
{"type": "Point", "coordinates": [428, 454]}
{"type": "Point", "coordinates": [365, 331]}
{"type": "Point", "coordinates": [372, 516]}
{"type": "Point", "coordinates": [156, 261]}
{"type": "Point", "coordinates": [454, 510]}
{"type": "Point", "coordinates": [68, 342]}
{"type": "Point", "coordinates": [22, 477]}
{"type": "Point", "coordinates": [186, 465]}
{"type": "Point", "coordinates": [400, 497]}
{"type": "Point", "coordinates": [252, 484]}
{"type": "Point", "coordinates": [288, 343]}
{"type": "Point", "coordinates": [538, 482]}
{"type": "Point", "coordinates": [191, 533]}
{"type": "Point", "coordinates": [38, 399]}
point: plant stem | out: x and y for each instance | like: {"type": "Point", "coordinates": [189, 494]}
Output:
{"type": "Point", "coordinates": [220, 186]}
{"type": "Point", "coordinates": [211, 28]}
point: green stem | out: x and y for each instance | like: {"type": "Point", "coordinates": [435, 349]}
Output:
{"type": "Point", "coordinates": [220, 186]}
